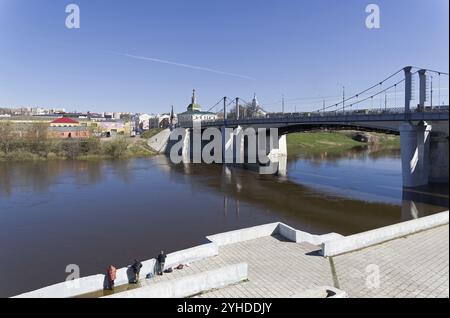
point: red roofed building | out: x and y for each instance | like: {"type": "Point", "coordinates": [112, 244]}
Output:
{"type": "Point", "coordinates": [64, 122]}
{"type": "Point", "coordinates": [68, 128]}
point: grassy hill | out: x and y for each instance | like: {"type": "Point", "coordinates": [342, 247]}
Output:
{"type": "Point", "coordinates": [335, 140]}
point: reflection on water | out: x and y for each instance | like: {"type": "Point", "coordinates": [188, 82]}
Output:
{"type": "Point", "coordinates": [366, 173]}
{"type": "Point", "coordinates": [96, 213]}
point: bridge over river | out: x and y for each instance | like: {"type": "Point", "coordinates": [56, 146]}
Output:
{"type": "Point", "coordinates": [423, 130]}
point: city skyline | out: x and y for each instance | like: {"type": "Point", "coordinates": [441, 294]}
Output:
{"type": "Point", "coordinates": [168, 49]}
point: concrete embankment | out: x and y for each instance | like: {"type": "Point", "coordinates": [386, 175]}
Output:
{"type": "Point", "coordinates": [266, 254]}
{"type": "Point", "coordinates": [366, 239]}
{"type": "Point", "coordinates": [159, 142]}
{"type": "Point", "coordinates": [190, 285]}
{"type": "Point", "coordinates": [92, 284]}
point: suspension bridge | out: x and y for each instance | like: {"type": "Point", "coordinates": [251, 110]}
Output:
{"type": "Point", "coordinates": [423, 127]}
{"type": "Point", "coordinates": [368, 105]}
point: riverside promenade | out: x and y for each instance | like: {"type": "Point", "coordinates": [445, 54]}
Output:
{"type": "Point", "coordinates": [414, 266]}
{"type": "Point", "coordinates": [275, 260]}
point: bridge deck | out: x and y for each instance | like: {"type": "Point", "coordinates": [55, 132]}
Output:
{"type": "Point", "coordinates": [384, 115]}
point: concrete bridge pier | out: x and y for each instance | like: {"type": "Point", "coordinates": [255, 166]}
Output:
{"type": "Point", "coordinates": [279, 148]}
{"type": "Point", "coordinates": [282, 166]}
{"type": "Point", "coordinates": [439, 158]}
{"type": "Point", "coordinates": [228, 145]}
{"type": "Point", "coordinates": [276, 150]}
{"type": "Point", "coordinates": [282, 155]}
{"type": "Point", "coordinates": [186, 151]}
{"type": "Point", "coordinates": [239, 144]}
{"type": "Point", "coordinates": [415, 152]}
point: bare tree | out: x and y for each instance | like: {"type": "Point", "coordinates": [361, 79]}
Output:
{"type": "Point", "coordinates": [7, 137]}
{"type": "Point", "coordinates": [117, 147]}
{"type": "Point", "coordinates": [37, 138]}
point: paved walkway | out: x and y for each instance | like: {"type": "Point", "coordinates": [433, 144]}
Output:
{"type": "Point", "coordinates": [415, 266]}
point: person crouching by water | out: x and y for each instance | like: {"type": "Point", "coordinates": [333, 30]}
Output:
{"type": "Point", "coordinates": [136, 268]}
{"type": "Point", "coordinates": [111, 277]}
{"type": "Point", "coordinates": [161, 261]}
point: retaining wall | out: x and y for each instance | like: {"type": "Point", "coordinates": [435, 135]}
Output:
{"type": "Point", "coordinates": [159, 142]}
{"type": "Point", "coordinates": [279, 228]}
{"type": "Point", "coordinates": [94, 283]}
{"type": "Point", "coordinates": [190, 285]}
{"type": "Point", "coordinates": [366, 239]}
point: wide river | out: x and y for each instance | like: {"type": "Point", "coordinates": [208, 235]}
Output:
{"type": "Point", "coordinates": [97, 213]}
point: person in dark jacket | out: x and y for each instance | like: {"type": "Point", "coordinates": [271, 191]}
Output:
{"type": "Point", "coordinates": [161, 261]}
{"type": "Point", "coordinates": [136, 268]}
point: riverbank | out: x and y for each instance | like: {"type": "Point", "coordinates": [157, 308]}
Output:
{"type": "Point", "coordinates": [336, 141]}
{"type": "Point", "coordinates": [89, 149]}
{"type": "Point", "coordinates": [40, 149]}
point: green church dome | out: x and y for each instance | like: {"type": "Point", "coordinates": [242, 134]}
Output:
{"type": "Point", "coordinates": [194, 106]}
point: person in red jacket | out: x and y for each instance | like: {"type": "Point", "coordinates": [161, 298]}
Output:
{"type": "Point", "coordinates": [111, 276]}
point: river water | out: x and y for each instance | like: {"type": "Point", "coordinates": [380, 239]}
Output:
{"type": "Point", "coordinates": [96, 213]}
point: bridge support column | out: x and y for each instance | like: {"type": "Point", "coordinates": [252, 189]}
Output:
{"type": "Point", "coordinates": [186, 151]}
{"type": "Point", "coordinates": [408, 88]}
{"type": "Point", "coordinates": [278, 148]}
{"type": "Point", "coordinates": [282, 145]}
{"type": "Point", "coordinates": [282, 166]}
{"type": "Point", "coordinates": [415, 152]}
{"type": "Point", "coordinates": [239, 145]}
{"type": "Point", "coordinates": [282, 155]}
{"type": "Point", "coordinates": [227, 145]}
{"type": "Point", "coordinates": [439, 158]}
{"type": "Point", "coordinates": [278, 153]}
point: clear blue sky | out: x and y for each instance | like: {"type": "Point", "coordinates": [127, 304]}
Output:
{"type": "Point", "coordinates": [292, 47]}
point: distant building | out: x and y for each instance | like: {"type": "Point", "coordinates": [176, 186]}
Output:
{"type": "Point", "coordinates": [254, 109]}
{"type": "Point", "coordinates": [144, 122]}
{"type": "Point", "coordinates": [80, 132]}
{"type": "Point", "coordinates": [173, 118]}
{"type": "Point", "coordinates": [114, 128]}
{"type": "Point", "coordinates": [39, 111]}
{"type": "Point", "coordinates": [163, 121]}
{"type": "Point", "coordinates": [64, 122]}
{"type": "Point", "coordinates": [66, 128]}
{"type": "Point", "coordinates": [194, 113]}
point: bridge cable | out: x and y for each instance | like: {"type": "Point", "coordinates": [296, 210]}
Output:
{"type": "Point", "coordinates": [378, 93]}
{"type": "Point", "coordinates": [209, 110]}
{"type": "Point", "coordinates": [395, 98]}
{"type": "Point", "coordinates": [439, 90]}
{"type": "Point", "coordinates": [428, 70]}
{"type": "Point", "coordinates": [381, 96]}
{"type": "Point", "coordinates": [231, 102]}
{"type": "Point", "coordinates": [366, 90]}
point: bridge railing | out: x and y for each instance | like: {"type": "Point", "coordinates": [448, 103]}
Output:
{"type": "Point", "coordinates": [351, 115]}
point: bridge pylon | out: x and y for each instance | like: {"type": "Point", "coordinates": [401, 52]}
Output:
{"type": "Point", "coordinates": [415, 153]}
